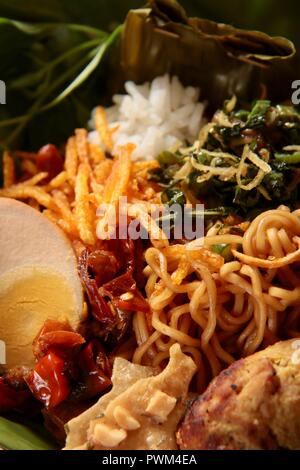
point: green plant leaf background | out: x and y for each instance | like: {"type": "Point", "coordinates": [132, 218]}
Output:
{"type": "Point", "coordinates": [20, 50]}
{"type": "Point", "coordinates": [272, 16]}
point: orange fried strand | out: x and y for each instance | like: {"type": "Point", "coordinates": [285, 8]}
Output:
{"type": "Point", "coordinates": [9, 176]}
{"type": "Point", "coordinates": [71, 160]}
{"type": "Point", "coordinates": [118, 180]}
{"type": "Point", "coordinates": [81, 139]}
{"type": "Point", "coordinates": [83, 211]}
{"type": "Point", "coordinates": [102, 128]}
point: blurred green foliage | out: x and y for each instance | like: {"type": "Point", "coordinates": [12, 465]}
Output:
{"type": "Point", "coordinates": [276, 17]}
{"type": "Point", "coordinates": [36, 51]}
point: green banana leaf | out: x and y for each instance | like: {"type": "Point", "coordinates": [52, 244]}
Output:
{"type": "Point", "coordinates": [17, 436]}
{"type": "Point", "coordinates": [99, 13]}
{"type": "Point", "coordinates": [43, 66]}
{"type": "Point", "coordinates": [219, 58]}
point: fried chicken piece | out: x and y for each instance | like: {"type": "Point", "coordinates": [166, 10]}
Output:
{"type": "Point", "coordinates": [254, 404]}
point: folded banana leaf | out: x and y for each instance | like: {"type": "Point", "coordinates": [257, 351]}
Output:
{"type": "Point", "coordinates": [219, 58]}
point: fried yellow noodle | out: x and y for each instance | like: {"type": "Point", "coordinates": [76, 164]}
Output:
{"type": "Point", "coordinates": [221, 311]}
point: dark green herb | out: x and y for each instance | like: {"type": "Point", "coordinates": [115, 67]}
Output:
{"type": "Point", "coordinates": [209, 214]}
{"type": "Point", "coordinates": [173, 196]}
{"type": "Point", "coordinates": [241, 115]}
{"type": "Point", "coordinates": [213, 213]}
{"type": "Point", "coordinates": [263, 126]}
{"type": "Point", "coordinates": [223, 250]}
{"type": "Point", "coordinates": [291, 159]}
{"type": "Point", "coordinates": [246, 199]}
{"type": "Point", "coordinates": [228, 133]}
{"type": "Point", "coordinates": [165, 159]}
{"type": "Point", "coordinates": [257, 116]}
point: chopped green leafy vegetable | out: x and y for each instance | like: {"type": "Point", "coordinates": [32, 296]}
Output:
{"type": "Point", "coordinates": [245, 161]}
{"type": "Point", "coordinates": [223, 250]}
{"type": "Point", "coordinates": [206, 214]}
{"type": "Point", "coordinates": [173, 196]}
{"type": "Point", "coordinates": [293, 159]}
{"type": "Point", "coordinates": [257, 116]}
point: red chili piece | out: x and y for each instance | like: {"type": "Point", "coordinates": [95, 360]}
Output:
{"type": "Point", "coordinates": [47, 381]}
{"type": "Point", "coordinates": [49, 160]}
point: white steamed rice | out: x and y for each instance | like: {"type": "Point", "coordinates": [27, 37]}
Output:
{"type": "Point", "coordinates": [156, 116]}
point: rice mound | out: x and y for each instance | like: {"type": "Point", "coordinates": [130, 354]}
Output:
{"type": "Point", "coordinates": [156, 116]}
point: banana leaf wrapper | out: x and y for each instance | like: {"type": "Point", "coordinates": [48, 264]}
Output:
{"type": "Point", "coordinates": [220, 59]}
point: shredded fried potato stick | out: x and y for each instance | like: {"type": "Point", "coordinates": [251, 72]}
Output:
{"type": "Point", "coordinates": [157, 236]}
{"type": "Point", "coordinates": [36, 179]}
{"type": "Point", "coordinates": [9, 176]}
{"type": "Point", "coordinates": [71, 160]}
{"type": "Point", "coordinates": [102, 171]}
{"type": "Point", "coordinates": [144, 167]}
{"type": "Point", "coordinates": [66, 227]}
{"type": "Point", "coordinates": [82, 209]}
{"type": "Point", "coordinates": [26, 155]}
{"type": "Point", "coordinates": [58, 181]}
{"type": "Point", "coordinates": [115, 187]}
{"type": "Point", "coordinates": [140, 186]}
{"type": "Point", "coordinates": [96, 153]}
{"type": "Point", "coordinates": [82, 145]}
{"type": "Point", "coordinates": [96, 195]}
{"type": "Point", "coordinates": [52, 216]}
{"type": "Point", "coordinates": [102, 128]}
{"type": "Point", "coordinates": [20, 191]}
{"type": "Point", "coordinates": [28, 166]}
{"type": "Point", "coordinates": [34, 204]}
{"type": "Point", "coordinates": [64, 208]}
{"type": "Point", "coordinates": [68, 189]}
{"type": "Point", "coordinates": [88, 179]}
{"type": "Point", "coordinates": [62, 223]}
{"type": "Point", "coordinates": [118, 179]}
